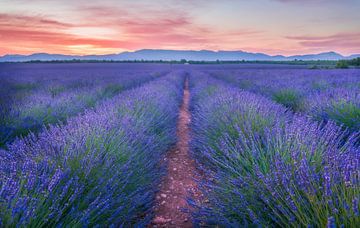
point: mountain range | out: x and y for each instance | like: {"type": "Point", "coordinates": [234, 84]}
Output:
{"type": "Point", "coordinates": [166, 55]}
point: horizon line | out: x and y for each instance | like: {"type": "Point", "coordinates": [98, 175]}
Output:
{"type": "Point", "coordinates": [196, 50]}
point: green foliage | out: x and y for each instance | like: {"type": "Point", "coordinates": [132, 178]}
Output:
{"type": "Point", "coordinates": [342, 64]}
{"type": "Point", "coordinates": [290, 99]}
{"type": "Point", "coordinates": [56, 90]}
{"type": "Point", "coordinates": [320, 85]}
{"type": "Point", "coordinates": [25, 86]}
{"type": "Point", "coordinates": [111, 90]}
{"type": "Point", "coordinates": [354, 62]}
{"type": "Point", "coordinates": [313, 67]}
{"type": "Point", "coordinates": [344, 113]}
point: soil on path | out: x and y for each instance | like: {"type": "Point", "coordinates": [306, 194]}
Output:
{"type": "Point", "coordinates": [179, 183]}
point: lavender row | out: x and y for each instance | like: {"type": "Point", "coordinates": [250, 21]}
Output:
{"type": "Point", "coordinates": [266, 166]}
{"type": "Point", "coordinates": [323, 94]}
{"type": "Point", "coordinates": [31, 99]}
{"type": "Point", "coordinates": [99, 169]}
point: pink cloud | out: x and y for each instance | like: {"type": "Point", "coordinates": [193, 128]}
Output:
{"type": "Point", "coordinates": [30, 21]}
{"type": "Point", "coordinates": [53, 38]}
{"type": "Point", "coordinates": [156, 30]}
{"type": "Point", "coordinates": [147, 28]}
{"type": "Point", "coordinates": [330, 37]}
{"type": "Point", "coordinates": [154, 26]}
{"type": "Point", "coordinates": [340, 41]}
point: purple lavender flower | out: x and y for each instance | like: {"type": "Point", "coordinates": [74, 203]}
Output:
{"type": "Point", "coordinates": [98, 163]}
{"type": "Point", "coordinates": [293, 169]}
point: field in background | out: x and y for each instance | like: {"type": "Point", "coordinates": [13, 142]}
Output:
{"type": "Point", "coordinates": [81, 143]}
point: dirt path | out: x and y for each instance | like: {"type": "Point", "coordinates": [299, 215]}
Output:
{"type": "Point", "coordinates": [179, 182]}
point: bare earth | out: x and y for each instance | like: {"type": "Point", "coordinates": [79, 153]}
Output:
{"type": "Point", "coordinates": [179, 183]}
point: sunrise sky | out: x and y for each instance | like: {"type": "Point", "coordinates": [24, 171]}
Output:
{"type": "Point", "coordinates": [111, 26]}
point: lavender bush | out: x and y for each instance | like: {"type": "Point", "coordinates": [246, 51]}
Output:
{"type": "Point", "coordinates": [341, 105]}
{"type": "Point", "coordinates": [269, 167]}
{"type": "Point", "coordinates": [99, 169]}
{"type": "Point", "coordinates": [34, 97]}
{"type": "Point", "coordinates": [281, 150]}
{"type": "Point", "coordinates": [322, 94]}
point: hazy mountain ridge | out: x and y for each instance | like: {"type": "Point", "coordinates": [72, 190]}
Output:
{"type": "Point", "coordinates": [158, 54]}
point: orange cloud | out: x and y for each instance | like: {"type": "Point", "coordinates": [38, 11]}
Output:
{"type": "Point", "coordinates": [47, 35]}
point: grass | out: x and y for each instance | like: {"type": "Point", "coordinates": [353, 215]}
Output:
{"type": "Point", "coordinates": [290, 99]}
{"type": "Point", "coordinates": [344, 113]}
{"type": "Point", "coordinates": [111, 90]}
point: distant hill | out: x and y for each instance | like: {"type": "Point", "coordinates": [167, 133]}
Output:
{"type": "Point", "coordinates": [168, 55]}
{"type": "Point", "coordinates": [354, 56]}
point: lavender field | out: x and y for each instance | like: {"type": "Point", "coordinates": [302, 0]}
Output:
{"type": "Point", "coordinates": [86, 144]}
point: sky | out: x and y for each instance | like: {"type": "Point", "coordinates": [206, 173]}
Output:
{"type": "Point", "coordinates": [274, 27]}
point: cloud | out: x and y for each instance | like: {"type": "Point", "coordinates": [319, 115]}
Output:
{"type": "Point", "coordinates": [340, 41]}
{"type": "Point", "coordinates": [44, 38]}
{"type": "Point", "coordinates": [102, 28]}
{"type": "Point", "coordinates": [30, 21]}
{"type": "Point", "coordinates": [125, 30]}
{"type": "Point", "coordinates": [42, 34]}
{"type": "Point", "coordinates": [155, 25]}
{"type": "Point", "coordinates": [330, 37]}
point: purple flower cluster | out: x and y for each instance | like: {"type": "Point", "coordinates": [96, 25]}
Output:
{"type": "Point", "coordinates": [322, 94]}
{"type": "Point", "coordinates": [32, 96]}
{"type": "Point", "coordinates": [100, 168]}
{"type": "Point", "coordinates": [267, 166]}
{"type": "Point", "coordinates": [278, 146]}
{"type": "Point", "coordinates": [341, 105]}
